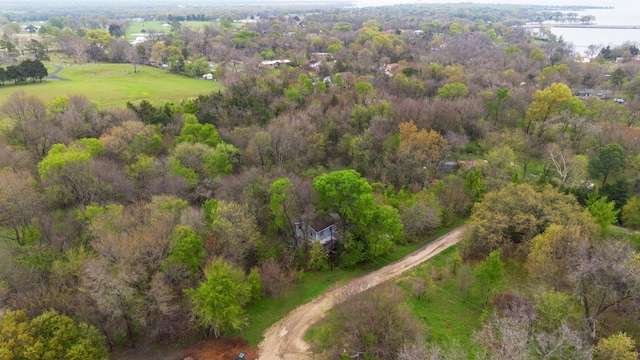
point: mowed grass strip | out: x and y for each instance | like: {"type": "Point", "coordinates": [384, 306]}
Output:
{"type": "Point", "coordinates": [113, 85]}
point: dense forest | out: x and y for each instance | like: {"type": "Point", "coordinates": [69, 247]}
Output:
{"type": "Point", "coordinates": [155, 221]}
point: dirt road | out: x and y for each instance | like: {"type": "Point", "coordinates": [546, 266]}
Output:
{"type": "Point", "coordinates": [284, 339]}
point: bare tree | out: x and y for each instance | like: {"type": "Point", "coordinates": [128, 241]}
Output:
{"type": "Point", "coordinates": [505, 338]}
{"type": "Point", "coordinates": [570, 168]}
{"type": "Point", "coordinates": [374, 323]}
{"type": "Point", "coordinates": [20, 204]}
{"type": "Point", "coordinates": [604, 276]}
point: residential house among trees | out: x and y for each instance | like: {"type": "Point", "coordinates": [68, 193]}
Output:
{"type": "Point", "coordinates": [323, 229]}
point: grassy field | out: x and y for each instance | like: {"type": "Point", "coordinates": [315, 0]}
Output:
{"type": "Point", "coordinates": [113, 85]}
{"type": "Point", "coordinates": [267, 311]}
{"type": "Point", "coordinates": [451, 312]}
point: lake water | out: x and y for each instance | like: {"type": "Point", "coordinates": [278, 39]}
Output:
{"type": "Point", "coordinates": [624, 12]}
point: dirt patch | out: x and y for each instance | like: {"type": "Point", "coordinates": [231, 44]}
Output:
{"type": "Point", "coordinates": [221, 349]}
{"type": "Point", "coordinates": [207, 349]}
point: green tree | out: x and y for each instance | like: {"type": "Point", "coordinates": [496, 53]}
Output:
{"type": "Point", "coordinates": [453, 90]}
{"type": "Point", "coordinates": [516, 214]}
{"type": "Point", "coordinates": [490, 272]}
{"type": "Point", "coordinates": [498, 102]}
{"type": "Point", "coordinates": [197, 68]}
{"type": "Point", "coordinates": [617, 78]}
{"type": "Point", "coordinates": [70, 173]}
{"type": "Point", "coordinates": [383, 229]}
{"type": "Point", "coordinates": [195, 132]}
{"type": "Point", "coordinates": [552, 254]}
{"type": "Point", "coordinates": [555, 308]}
{"type": "Point", "coordinates": [218, 302]}
{"type": "Point", "coordinates": [347, 194]}
{"type": "Point", "coordinates": [367, 228]}
{"type": "Point", "coordinates": [546, 104]}
{"type": "Point", "coordinates": [475, 185]}
{"type": "Point", "coordinates": [187, 249]}
{"type": "Point", "coordinates": [603, 211]}
{"type": "Point", "coordinates": [235, 230]}
{"type": "Point", "coordinates": [50, 336]}
{"type": "Point", "coordinates": [607, 161]}
{"type": "Point", "coordinates": [255, 284]}
{"type": "Point", "coordinates": [221, 160]}
{"type": "Point", "coordinates": [365, 91]}
{"type": "Point", "coordinates": [618, 346]}
{"type": "Point", "coordinates": [631, 213]}
{"type": "Point", "coordinates": [39, 50]}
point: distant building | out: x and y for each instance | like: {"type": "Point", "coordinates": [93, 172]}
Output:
{"type": "Point", "coordinates": [274, 63]}
{"type": "Point", "coordinates": [138, 40]}
{"type": "Point", "coordinates": [624, 59]}
{"type": "Point", "coordinates": [599, 93]}
{"type": "Point", "coordinates": [320, 55]}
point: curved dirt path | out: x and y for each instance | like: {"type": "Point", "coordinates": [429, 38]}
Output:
{"type": "Point", "coordinates": [285, 339]}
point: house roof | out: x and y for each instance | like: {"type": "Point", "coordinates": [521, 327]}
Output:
{"type": "Point", "coordinates": [321, 221]}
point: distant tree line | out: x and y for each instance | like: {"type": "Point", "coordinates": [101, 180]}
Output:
{"type": "Point", "coordinates": [190, 17]}
{"type": "Point", "coordinates": [27, 69]}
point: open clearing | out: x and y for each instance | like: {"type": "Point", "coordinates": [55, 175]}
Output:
{"type": "Point", "coordinates": [285, 339]}
{"type": "Point", "coordinates": [113, 85]}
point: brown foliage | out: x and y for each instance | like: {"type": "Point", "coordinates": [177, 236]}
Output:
{"type": "Point", "coordinates": [276, 279]}
{"type": "Point", "coordinates": [375, 322]}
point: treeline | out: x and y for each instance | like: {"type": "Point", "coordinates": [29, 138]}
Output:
{"type": "Point", "coordinates": [189, 17]}
{"type": "Point", "coordinates": [27, 69]}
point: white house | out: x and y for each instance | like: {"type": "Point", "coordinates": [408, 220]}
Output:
{"type": "Point", "coordinates": [274, 63]}
{"type": "Point", "coordinates": [321, 229]}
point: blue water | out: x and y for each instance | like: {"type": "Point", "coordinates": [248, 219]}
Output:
{"type": "Point", "coordinates": [624, 12]}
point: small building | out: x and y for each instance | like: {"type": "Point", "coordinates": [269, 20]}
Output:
{"type": "Point", "coordinates": [448, 167]}
{"type": "Point", "coordinates": [138, 40]}
{"type": "Point", "coordinates": [314, 65]}
{"type": "Point", "coordinates": [599, 93]}
{"type": "Point", "coordinates": [274, 63]}
{"type": "Point", "coordinates": [207, 76]}
{"type": "Point", "coordinates": [320, 55]}
{"type": "Point", "coordinates": [322, 229]}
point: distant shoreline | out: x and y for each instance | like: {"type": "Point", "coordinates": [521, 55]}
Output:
{"type": "Point", "coordinates": [582, 26]}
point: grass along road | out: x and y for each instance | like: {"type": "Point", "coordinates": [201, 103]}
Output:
{"type": "Point", "coordinates": [285, 339]}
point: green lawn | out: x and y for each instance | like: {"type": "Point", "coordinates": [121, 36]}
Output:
{"type": "Point", "coordinates": [451, 313]}
{"type": "Point", "coordinates": [109, 85]}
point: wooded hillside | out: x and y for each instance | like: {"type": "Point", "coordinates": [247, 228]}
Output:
{"type": "Point", "coordinates": [156, 221]}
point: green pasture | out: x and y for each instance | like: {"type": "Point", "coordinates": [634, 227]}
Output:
{"type": "Point", "coordinates": [113, 85]}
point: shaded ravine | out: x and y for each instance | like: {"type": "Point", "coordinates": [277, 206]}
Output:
{"type": "Point", "coordinates": [285, 339]}
{"type": "Point", "coordinates": [54, 75]}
